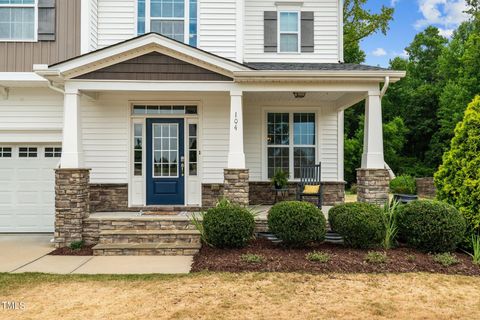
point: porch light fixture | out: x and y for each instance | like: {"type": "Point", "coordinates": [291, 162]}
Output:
{"type": "Point", "coordinates": [299, 94]}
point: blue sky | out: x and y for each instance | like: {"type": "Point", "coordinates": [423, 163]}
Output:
{"type": "Point", "coordinates": [410, 18]}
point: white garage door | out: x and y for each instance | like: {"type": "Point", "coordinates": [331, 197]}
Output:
{"type": "Point", "coordinates": [27, 187]}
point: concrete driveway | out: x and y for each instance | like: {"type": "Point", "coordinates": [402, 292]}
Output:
{"type": "Point", "coordinates": [17, 250]}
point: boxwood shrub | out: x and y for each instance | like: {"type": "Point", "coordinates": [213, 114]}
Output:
{"type": "Point", "coordinates": [431, 226]}
{"type": "Point", "coordinates": [228, 225]}
{"type": "Point", "coordinates": [360, 224]}
{"type": "Point", "coordinates": [297, 223]}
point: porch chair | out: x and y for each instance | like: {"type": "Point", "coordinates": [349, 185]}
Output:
{"type": "Point", "coordinates": [310, 184]}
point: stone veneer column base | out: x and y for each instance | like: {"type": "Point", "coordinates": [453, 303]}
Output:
{"type": "Point", "coordinates": [372, 185]}
{"type": "Point", "coordinates": [72, 204]}
{"type": "Point", "coordinates": [236, 188]}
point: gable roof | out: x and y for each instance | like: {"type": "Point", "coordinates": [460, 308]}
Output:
{"type": "Point", "coordinates": [141, 45]}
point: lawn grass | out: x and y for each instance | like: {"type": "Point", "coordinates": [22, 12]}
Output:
{"type": "Point", "coordinates": [242, 296]}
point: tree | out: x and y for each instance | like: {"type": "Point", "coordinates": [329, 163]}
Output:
{"type": "Point", "coordinates": [458, 178]}
{"type": "Point", "coordinates": [394, 139]}
{"type": "Point", "coordinates": [360, 23]}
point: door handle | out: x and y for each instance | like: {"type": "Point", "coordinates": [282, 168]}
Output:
{"type": "Point", "coordinates": [182, 165]}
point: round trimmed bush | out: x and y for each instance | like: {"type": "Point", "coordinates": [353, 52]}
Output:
{"type": "Point", "coordinates": [297, 223]}
{"type": "Point", "coordinates": [228, 226]}
{"type": "Point", "coordinates": [431, 226]}
{"type": "Point", "coordinates": [360, 224]}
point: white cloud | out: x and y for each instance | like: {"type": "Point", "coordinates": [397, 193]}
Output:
{"type": "Point", "coordinates": [446, 32]}
{"type": "Point", "coordinates": [393, 3]}
{"type": "Point", "coordinates": [445, 14]}
{"type": "Point", "coordinates": [379, 52]}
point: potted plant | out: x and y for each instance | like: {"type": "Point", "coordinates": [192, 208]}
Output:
{"type": "Point", "coordinates": [280, 179]}
{"type": "Point", "coordinates": [404, 189]}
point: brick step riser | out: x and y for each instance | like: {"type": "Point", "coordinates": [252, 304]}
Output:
{"type": "Point", "coordinates": [145, 252]}
{"type": "Point", "coordinates": [174, 239]}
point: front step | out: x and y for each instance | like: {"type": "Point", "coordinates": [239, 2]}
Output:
{"type": "Point", "coordinates": [134, 234]}
{"type": "Point", "coordinates": [145, 249]}
{"type": "Point", "coordinates": [149, 236]}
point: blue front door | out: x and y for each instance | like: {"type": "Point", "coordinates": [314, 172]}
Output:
{"type": "Point", "coordinates": [165, 162]}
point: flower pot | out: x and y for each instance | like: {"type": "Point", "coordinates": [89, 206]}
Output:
{"type": "Point", "coordinates": [404, 198]}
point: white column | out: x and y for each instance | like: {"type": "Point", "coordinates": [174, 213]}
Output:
{"type": "Point", "coordinates": [72, 151]}
{"type": "Point", "coordinates": [236, 156]}
{"type": "Point", "coordinates": [372, 157]}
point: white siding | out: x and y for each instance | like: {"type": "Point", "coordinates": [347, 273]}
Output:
{"type": "Point", "coordinates": [93, 12]}
{"type": "Point", "coordinates": [31, 115]}
{"type": "Point", "coordinates": [217, 27]}
{"type": "Point", "coordinates": [116, 21]}
{"type": "Point", "coordinates": [215, 117]}
{"type": "Point", "coordinates": [326, 31]}
{"type": "Point", "coordinates": [105, 139]}
{"type": "Point", "coordinates": [254, 115]}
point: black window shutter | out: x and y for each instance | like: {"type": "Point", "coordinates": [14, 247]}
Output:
{"type": "Point", "coordinates": [270, 31]}
{"type": "Point", "coordinates": [46, 20]}
{"type": "Point", "coordinates": [307, 31]}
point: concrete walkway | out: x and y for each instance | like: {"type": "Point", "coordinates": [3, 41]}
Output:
{"type": "Point", "coordinates": [28, 253]}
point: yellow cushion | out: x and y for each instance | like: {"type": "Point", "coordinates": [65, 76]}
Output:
{"type": "Point", "coordinates": [311, 189]}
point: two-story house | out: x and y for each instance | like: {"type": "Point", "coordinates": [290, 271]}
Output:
{"type": "Point", "coordinates": [142, 104]}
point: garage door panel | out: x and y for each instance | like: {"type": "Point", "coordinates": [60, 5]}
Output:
{"type": "Point", "coordinates": [27, 198]}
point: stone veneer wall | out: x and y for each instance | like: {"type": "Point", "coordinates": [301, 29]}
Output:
{"type": "Point", "coordinates": [108, 197]}
{"type": "Point", "coordinates": [211, 193]}
{"type": "Point", "coordinates": [426, 187]}
{"type": "Point", "coordinates": [235, 187]}
{"type": "Point", "coordinates": [262, 193]}
{"type": "Point", "coordinates": [71, 204]}
{"type": "Point", "coordinates": [372, 185]}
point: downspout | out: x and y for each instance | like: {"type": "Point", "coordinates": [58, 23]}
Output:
{"type": "Point", "coordinates": [51, 86]}
{"type": "Point", "coordinates": [382, 93]}
{"type": "Point", "coordinates": [385, 86]}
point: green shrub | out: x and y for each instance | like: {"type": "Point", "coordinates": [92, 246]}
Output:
{"type": "Point", "coordinates": [318, 256]}
{"type": "Point", "coordinates": [252, 258]}
{"type": "Point", "coordinates": [375, 257]}
{"type": "Point", "coordinates": [403, 185]}
{"type": "Point", "coordinates": [475, 254]}
{"type": "Point", "coordinates": [446, 259]}
{"type": "Point", "coordinates": [228, 225]}
{"type": "Point", "coordinates": [297, 223]}
{"type": "Point", "coordinates": [458, 178]}
{"type": "Point", "coordinates": [360, 224]}
{"type": "Point", "coordinates": [431, 225]}
{"type": "Point", "coordinates": [77, 245]}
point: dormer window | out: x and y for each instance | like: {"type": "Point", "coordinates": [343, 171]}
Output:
{"type": "Point", "coordinates": [289, 33]}
{"type": "Point", "coordinates": [176, 19]}
{"type": "Point", "coordinates": [17, 20]}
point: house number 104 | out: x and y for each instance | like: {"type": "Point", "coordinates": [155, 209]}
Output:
{"type": "Point", "coordinates": [235, 121]}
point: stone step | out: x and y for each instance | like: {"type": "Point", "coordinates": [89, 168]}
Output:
{"type": "Point", "coordinates": [146, 223]}
{"type": "Point", "coordinates": [140, 249]}
{"type": "Point", "coordinates": [149, 236]}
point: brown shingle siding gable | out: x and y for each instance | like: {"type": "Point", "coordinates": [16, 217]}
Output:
{"type": "Point", "coordinates": [155, 66]}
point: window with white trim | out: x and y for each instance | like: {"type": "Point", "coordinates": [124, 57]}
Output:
{"type": "Point", "coordinates": [289, 31]}
{"type": "Point", "coordinates": [176, 19]}
{"type": "Point", "coordinates": [17, 20]}
{"type": "Point", "coordinates": [27, 152]}
{"type": "Point", "coordinates": [5, 152]}
{"type": "Point", "coordinates": [137, 149]}
{"type": "Point", "coordinates": [291, 142]}
{"type": "Point", "coordinates": [53, 152]}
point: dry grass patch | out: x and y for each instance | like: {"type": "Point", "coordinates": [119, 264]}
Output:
{"type": "Point", "coordinates": [245, 296]}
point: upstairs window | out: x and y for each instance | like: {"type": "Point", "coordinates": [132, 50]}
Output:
{"type": "Point", "coordinates": [17, 20]}
{"type": "Point", "coordinates": [289, 33]}
{"type": "Point", "coordinates": [176, 19]}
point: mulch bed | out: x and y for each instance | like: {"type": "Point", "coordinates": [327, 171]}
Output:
{"type": "Point", "coordinates": [342, 260]}
{"type": "Point", "coordinates": [66, 251]}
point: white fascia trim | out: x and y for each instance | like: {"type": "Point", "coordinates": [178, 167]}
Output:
{"type": "Point", "coordinates": [20, 76]}
{"type": "Point", "coordinates": [150, 42]}
{"type": "Point", "coordinates": [317, 75]}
